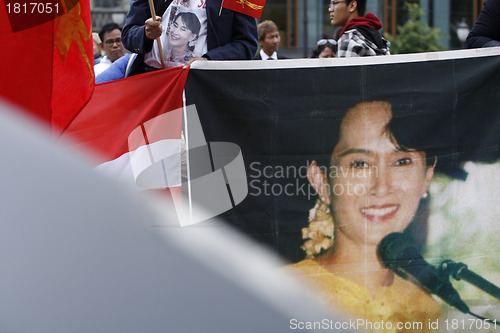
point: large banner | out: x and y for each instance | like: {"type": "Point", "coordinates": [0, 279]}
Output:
{"type": "Point", "coordinates": [340, 152]}
{"type": "Point", "coordinates": [344, 167]}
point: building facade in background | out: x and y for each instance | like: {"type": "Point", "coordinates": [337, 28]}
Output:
{"type": "Point", "coordinates": [303, 22]}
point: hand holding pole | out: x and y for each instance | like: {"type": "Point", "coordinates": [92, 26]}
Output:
{"type": "Point", "coordinates": [153, 15]}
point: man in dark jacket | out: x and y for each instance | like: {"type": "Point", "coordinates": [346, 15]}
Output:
{"type": "Point", "coordinates": [486, 30]}
{"type": "Point", "coordinates": [360, 36]}
{"type": "Point", "coordinates": [220, 34]}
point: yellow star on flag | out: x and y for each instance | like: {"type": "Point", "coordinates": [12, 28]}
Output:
{"type": "Point", "coordinates": [70, 28]}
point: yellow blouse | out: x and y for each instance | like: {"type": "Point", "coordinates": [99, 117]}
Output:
{"type": "Point", "coordinates": [400, 307]}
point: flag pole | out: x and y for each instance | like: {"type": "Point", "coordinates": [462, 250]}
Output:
{"type": "Point", "coordinates": [220, 11]}
{"type": "Point", "coordinates": [153, 15]}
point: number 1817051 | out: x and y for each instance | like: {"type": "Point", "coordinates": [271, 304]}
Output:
{"type": "Point", "coordinates": [33, 8]}
{"type": "Point", "coordinates": [470, 324]}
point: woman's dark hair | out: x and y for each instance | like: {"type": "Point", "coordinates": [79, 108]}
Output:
{"type": "Point", "coordinates": [192, 23]}
{"type": "Point", "coordinates": [315, 53]}
{"type": "Point", "coordinates": [408, 137]}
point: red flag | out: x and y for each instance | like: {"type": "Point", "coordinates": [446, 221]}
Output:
{"type": "Point", "coordinates": [47, 62]}
{"type": "Point", "coordinates": [133, 126]}
{"type": "Point", "coordinates": [252, 8]}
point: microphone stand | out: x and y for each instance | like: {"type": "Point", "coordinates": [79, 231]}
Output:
{"type": "Point", "coordinates": [459, 271]}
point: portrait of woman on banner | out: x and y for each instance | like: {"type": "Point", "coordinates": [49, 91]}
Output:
{"type": "Point", "coordinates": [183, 37]}
{"type": "Point", "coordinates": [374, 185]}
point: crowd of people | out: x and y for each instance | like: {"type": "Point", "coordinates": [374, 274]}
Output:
{"type": "Point", "coordinates": [200, 30]}
{"type": "Point", "coordinates": [186, 31]}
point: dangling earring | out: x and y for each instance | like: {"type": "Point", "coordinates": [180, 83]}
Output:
{"type": "Point", "coordinates": [320, 232]}
{"type": "Point", "coordinates": [426, 194]}
{"type": "Point", "coordinates": [191, 43]}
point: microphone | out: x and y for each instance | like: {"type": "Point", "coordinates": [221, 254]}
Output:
{"type": "Point", "coordinates": [399, 253]}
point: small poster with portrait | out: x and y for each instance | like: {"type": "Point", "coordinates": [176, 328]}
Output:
{"type": "Point", "coordinates": [184, 34]}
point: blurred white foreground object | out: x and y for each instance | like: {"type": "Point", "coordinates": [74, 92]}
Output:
{"type": "Point", "coordinates": [79, 253]}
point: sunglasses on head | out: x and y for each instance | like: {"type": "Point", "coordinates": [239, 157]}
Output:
{"type": "Point", "coordinates": [324, 41]}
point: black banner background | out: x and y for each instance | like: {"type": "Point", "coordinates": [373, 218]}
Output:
{"type": "Point", "coordinates": [283, 118]}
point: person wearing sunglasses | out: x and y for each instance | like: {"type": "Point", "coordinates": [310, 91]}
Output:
{"type": "Point", "coordinates": [110, 35]}
{"type": "Point", "coordinates": [325, 48]}
{"type": "Point", "coordinates": [360, 35]}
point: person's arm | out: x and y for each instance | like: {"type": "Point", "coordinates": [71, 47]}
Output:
{"type": "Point", "coordinates": [133, 33]}
{"type": "Point", "coordinates": [115, 71]}
{"type": "Point", "coordinates": [486, 30]}
{"type": "Point", "coordinates": [236, 34]}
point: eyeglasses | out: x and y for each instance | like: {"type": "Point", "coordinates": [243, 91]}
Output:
{"type": "Point", "coordinates": [324, 41]}
{"type": "Point", "coordinates": [110, 42]}
{"type": "Point", "coordinates": [333, 4]}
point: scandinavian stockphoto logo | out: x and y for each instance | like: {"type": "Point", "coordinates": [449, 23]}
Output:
{"type": "Point", "coordinates": [209, 178]}
{"type": "Point", "coordinates": [216, 179]}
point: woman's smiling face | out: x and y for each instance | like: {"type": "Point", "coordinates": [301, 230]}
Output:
{"type": "Point", "coordinates": [375, 187]}
{"type": "Point", "coordinates": [180, 34]}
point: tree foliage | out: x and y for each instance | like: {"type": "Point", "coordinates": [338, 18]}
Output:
{"type": "Point", "coordinates": [415, 35]}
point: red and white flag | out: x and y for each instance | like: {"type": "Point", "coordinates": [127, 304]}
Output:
{"type": "Point", "coordinates": [134, 126]}
{"type": "Point", "coordinates": [252, 8]}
